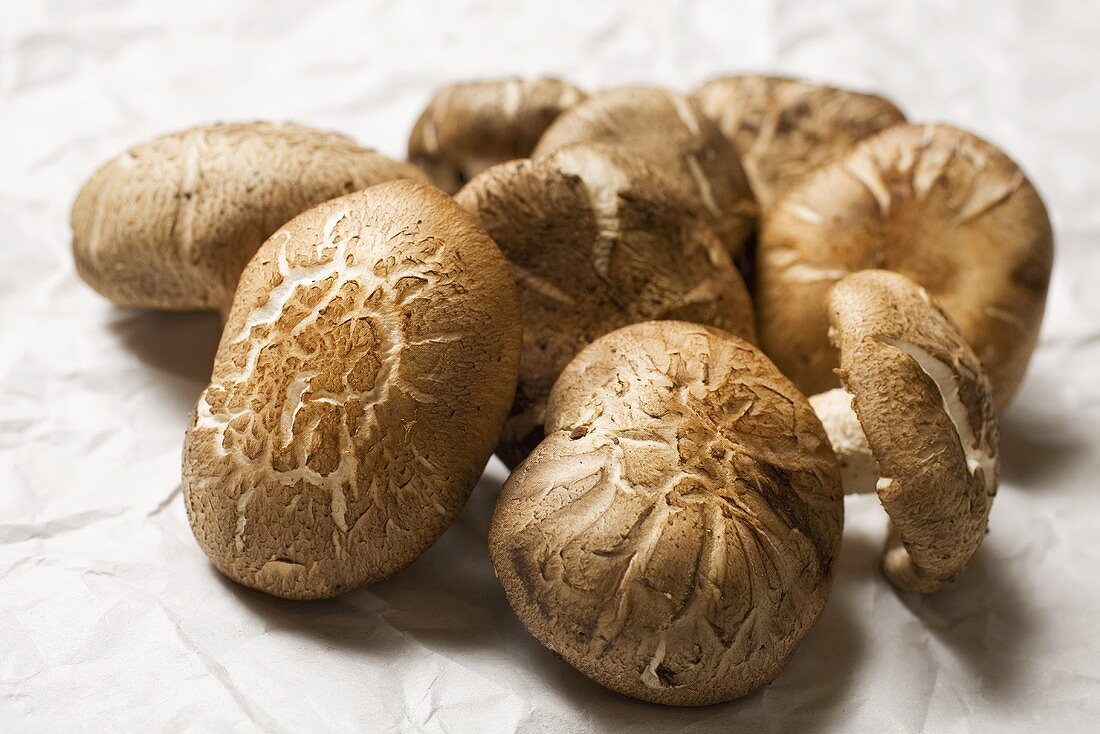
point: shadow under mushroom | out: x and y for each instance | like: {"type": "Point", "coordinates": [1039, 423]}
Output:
{"type": "Point", "coordinates": [179, 344]}
{"type": "Point", "coordinates": [984, 618]}
{"type": "Point", "coordinates": [448, 598]}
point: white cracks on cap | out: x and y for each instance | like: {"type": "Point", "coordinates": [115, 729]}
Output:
{"type": "Point", "coordinates": [789, 267]}
{"type": "Point", "coordinates": [99, 218]}
{"type": "Point", "coordinates": [293, 276]}
{"type": "Point", "coordinates": [858, 468]}
{"type": "Point", "coordinates": [511, 97]}
{"type": "Point", "coordinates": [682, 105]}
{"type": "Point", "coordinates": [978, 455]}
{"type": "Point", "coordinates": [930, 164]}
{"type": "Point", "coordinates": [805, 213]}
{"type": "Point", "coordinates": [330, 265]}
{"type": "Point", "coordinates": [806, 273]}
{"type": "Point", "coordinates": [702, 184]}
{"type": "Point", "coordinates": [649, 675]}
{"type": "Point", "coordinates": [569, 97]}
{"type": "Point", "coordinates": [440, 108]}
{"type": "Point", "coordinates": [683, 110]}
{"type": "Point", "coordinates": [1006, 317]}
{"type": "Point", "coordinates": [293, 404]}
{"type": "Point", "coordinates": [604, 181]}
{"type": "Point", "coordinates": [540, 285]}
{"type": "Point", "coordinates": [430, 138]}
{"type": "Point", "coordinates": [865, 171]}
{"type": "Point", "coordinates": [183, 229]}
{"type": "Point", "coordinates": [988, 194]}
{"type": "Point", "coordinates": [242, 518]}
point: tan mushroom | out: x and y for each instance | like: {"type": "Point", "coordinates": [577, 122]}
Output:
{"type": "Point", "coordinates": [672, 133]}
{"type": "Point", "coordinates": [469, 127]}
{"type": "Point", "coordinates": [785, 128]}
{"type": "Point", "coordinates": [937, 204]}
{"type": "Point", "coordinates": [170, 224]}
{"type": "Point", "coordinates": [362, 379]}
{"type": "Point", "coordinates": [597, 239]}
{"type": "Point", "coordinates": [914, 421]}
{"type": "Point", "coordinates": [674, 536]}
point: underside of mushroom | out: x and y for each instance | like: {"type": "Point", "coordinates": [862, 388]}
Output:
{"type": "Point", "coordinates": [914, 422]}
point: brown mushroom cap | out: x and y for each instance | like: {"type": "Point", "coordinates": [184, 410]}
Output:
{"type": "Point", "coordinates": [784, 128]}
{"type": "Point", "coordinates": [171, 223]}
{"type": "Point", "coordinates": [469, 127]}
{"type": "Point", "coordinates": [597, 239]}
{"type": "Point", "coordinates": [934, 203]}
{"type": "Point", "coordinates": [674, 536]}
{"type": "Point", "coordinates": [362, 379]}
{"type": "Point", "coordinates": [924, 403]}
{"type": "Point", "coordinates": [672, 133]}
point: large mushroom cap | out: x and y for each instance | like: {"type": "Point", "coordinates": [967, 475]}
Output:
{"type": "Point", "coordinates": [672, 133]}
{"type": "Point", "coordinates": [469, 127]}
{"type": "Point", "coordinates": [171, 223]}
{"type": "Point", "coordinates": [597, 239]}
{"type": "Point", "coordinates": [673, 537]}
{"type": "Point", "coordinates": [937, 204]}
{"type": "Point", "coordinates": [924, 404]}
{"type": "Point", "coordinates": [362, 379]}
{"type": "Point", "coordinates": [784, 128]}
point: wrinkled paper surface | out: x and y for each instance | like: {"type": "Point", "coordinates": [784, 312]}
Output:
{"type": "Point", "coordinates": [111, 619]}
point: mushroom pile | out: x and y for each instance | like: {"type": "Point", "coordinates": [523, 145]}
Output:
{"type": "Point", "coordinates": [689, 324]}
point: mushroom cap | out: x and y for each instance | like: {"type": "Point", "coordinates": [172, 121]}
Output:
{"type": "Point", "coordinates": [674, 536]}
{"type": "Point", "coordinates": [672, 133]}
{"type": "Point", "coordinates": [937, 204]}
{"type": "Point", "coordinates": [597, 239]}
{"type": "Point", "coordinates": [171, 223]}
{"type": "Point", "coordinates": [925, 405]}
{"type": "Point", "coordinates": [784, 128]}
{"type": "Point", "coordinates": [469, 127]}
{"type": "Point", "coordinates": [361, 382]}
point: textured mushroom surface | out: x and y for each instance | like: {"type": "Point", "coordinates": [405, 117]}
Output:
{"type": "Point", "coordinates": [170, 224]}
{"type": "Point", "coordinates": [924, 403]}
{"type": "Point", "coordinates": [937, 204]}
{"type": "Point", "coordinates": [469, 127]}
{"type": "Point", "coordinates": [784, 128]}
{"type": "Point", "coordinates": [674, 536]}
{"type": "Point", "coordinates": [597, 239]}
{"type": "Point", "coordinates": [362, 379]}
{"type": "Point", "coordinates": [671, 132]}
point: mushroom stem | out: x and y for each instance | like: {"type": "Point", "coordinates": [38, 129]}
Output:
{"type": "Point", "coordinates": [859, 471]}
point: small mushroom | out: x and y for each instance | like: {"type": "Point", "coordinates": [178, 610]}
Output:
{"type": "Point", "coordinates": [914, 421]}
{"type": "Point", "coordinates": [674, 536]}
{"type": "Point", "coordinates": [597, 239]}
{"type": "Point", "coordinates": [784, 128]}
{"type": "Point", "coordinates": [939, 205]}
{"type": "Point", "coordinates": [361, 383]}
{"type": "Point", "coordinates": [171, 223]}
{"type": "Point", "coordinates": [672, 133]}
{"type": "Point", "coordinates": [469, 127]}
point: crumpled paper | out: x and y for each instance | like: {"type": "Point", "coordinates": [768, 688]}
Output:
{"type": "Point", "coordinates": [111, 619]}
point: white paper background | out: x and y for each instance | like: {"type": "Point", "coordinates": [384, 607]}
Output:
{"type": "Point", "coordinates": [110, 617]}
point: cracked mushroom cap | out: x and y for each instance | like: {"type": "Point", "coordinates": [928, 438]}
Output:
{"type": "Point", "coordinates": [921, 400]}
{"type": "Point", "coordinates": [362, 379]}
{"type": "Point", "coordinates": [934, 203]}
{"type": "Point", "coordinates": [469, 127]}
{"type": "Point", "coordinates": [597, 239]}
{"type": "Point", "coordinates": [674, 536]}
{"type": "Point", "coordinates": [672, 133]}
{"type": "Point", "coordinates": [171, 223]}
{"type": "Point", "coordinates": [784, 128]}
